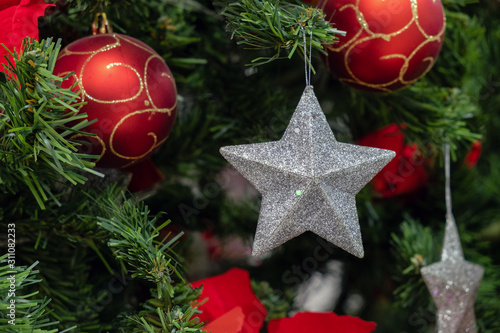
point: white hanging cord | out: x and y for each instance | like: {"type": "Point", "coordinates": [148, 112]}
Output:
{"type": "Point", "coordinates": [310, 55]}
{"type": "Point", "coordinates": [446, 151]}
{"type": "Point", "coordinates": [307, 57]}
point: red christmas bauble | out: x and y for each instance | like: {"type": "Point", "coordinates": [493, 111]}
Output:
{"type": "Point", "coordinates": [389, 43]}
{"type": "Point", "coordinates": [130, 90]}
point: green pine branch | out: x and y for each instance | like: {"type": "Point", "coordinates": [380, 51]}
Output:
{"type": "Point", "coordinates": [176, 320]}
{"type": "Point", "coordinates": [133, 238]}
{"type": "Point", "coordinates": [63, 239]}
{"type": "Point", "coordinates": [73, 220]}
{"type": "Point", "coordinates": [277, 303]}
{"type": "Point", "coordinates": [20, 309]}
{"type": "Point", "coordinates": [279, 26]}
{"type": "Point", "coordinates": [413, 249]}
{"type": "Point", "coordinates": [436, 115]}
{"type": "Point", "coordinates": [134, 241]}
{"type": "Point", "coordinates": [432, 115]}
{"type": "Point", "coordinates": [65, 273]}
{"type": "Point", "coordinates": [37, 123]}
{"type": "Point", "coordinates": [85, 7]}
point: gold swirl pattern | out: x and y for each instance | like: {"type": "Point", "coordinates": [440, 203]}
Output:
{"type": "Point", "coordinates": [170, 77]}
{"type": "Point", "coordinates": [146, 100]}
{"type": "Point", "coordinates": [141, 84]}
{"type": "Point", "coordinates": [129, 40]}
{"type": "Point", "coordinates": [155, 144]}
{"type": "Point", "coordinates": [66, 51]}
{"type": "Point", "coordinates": [351, 45]}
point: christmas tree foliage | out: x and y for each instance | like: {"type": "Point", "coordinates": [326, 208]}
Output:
{"type": "Point", "coordinates": [81, 253]}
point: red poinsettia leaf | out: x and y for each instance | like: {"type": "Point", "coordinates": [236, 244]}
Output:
{"type": "Point", "coordinates": [327, 322]}
{"type": "Point", "coordinates": [388, 137]}
{"type": "Point", "coordinates": [18, 19]}
{"type": "Point", "coordinates": [473, 154]}
{"type": "Point", "coordinates": [4, 4]}
{"type": "Point", "coordinates": [230, 322]}
{"type": "Point", "coordinates": [227, 291]}
{"type": "Point", "coordinates": [406, 172]}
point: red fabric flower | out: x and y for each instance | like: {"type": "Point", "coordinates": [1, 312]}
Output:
{"type": "Point", "coordinates": [226, 292]}
{"type": "Point", "coordinates": [327, 322]}
{"type": "Point", "coordinates": [405, 173]}
{"type": "Point", "coordinates": [18, 19]}
{"type": "Point", "coordinates": [230, 322]}
{"type": "Point", "coordinates": [473, 154]}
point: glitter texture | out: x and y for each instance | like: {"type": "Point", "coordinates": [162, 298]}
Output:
{"type": "Point", "coordinates": [328, 173]}
{"type": "Point", "coordinates": [453, 283]}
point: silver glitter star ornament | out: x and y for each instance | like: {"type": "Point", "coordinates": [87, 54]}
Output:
{"type": "Point", "coordinates": [453, 283]}
{"type": "Point", "coordinates": [308, 180]}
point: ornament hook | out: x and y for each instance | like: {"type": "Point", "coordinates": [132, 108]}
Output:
{"type": "Point", "coordinates": [101, 25]}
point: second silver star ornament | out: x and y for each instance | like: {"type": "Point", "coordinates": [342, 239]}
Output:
{"type": "Point", "coordinates": [308, 180]}
{"type": "Point", "coordinates": [453, 283]}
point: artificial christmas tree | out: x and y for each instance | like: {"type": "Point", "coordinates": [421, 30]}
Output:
{"type": "Point", "coordinates": [85, 255]}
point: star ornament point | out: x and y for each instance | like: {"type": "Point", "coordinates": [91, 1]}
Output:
{"type": "Point", "coordinates": [308, 181]}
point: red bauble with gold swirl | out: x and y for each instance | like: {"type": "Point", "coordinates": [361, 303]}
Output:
{"type": "Point", "coordinates": [130, 90]}
{"type": "Point", "coordinates": [389, 43]}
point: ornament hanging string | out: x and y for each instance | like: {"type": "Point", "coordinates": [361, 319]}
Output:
{"type": "Point", "coordinates": [446, 152]}
{"type": "Point", "coordinates": [307, 57]}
